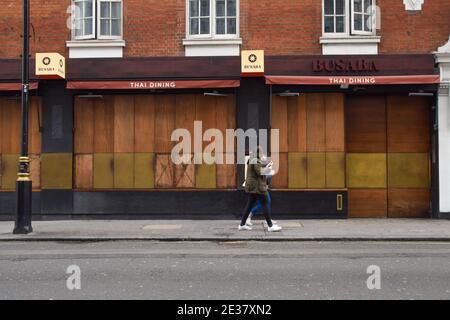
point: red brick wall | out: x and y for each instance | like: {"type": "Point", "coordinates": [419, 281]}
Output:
{"type": "Point", "coordinates": [156, 28]}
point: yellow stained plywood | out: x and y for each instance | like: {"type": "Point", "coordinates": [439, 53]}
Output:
{"type": "Point", "coordinates": [123, 170]}
{"type": "Point", "coordinates": [35, 170]}
{"type": "Point", "coordinates": [316, 170]}
{"type": "Point", "coordinates": [408, 170]}
{"type": "Point", "coordinates": [335, 170]}
{"type": "Point", "coordinates": [297, 164]}
{"type": "Point", "coordinates": [9, 166]}
{"type": "Point", "coordinates": [103, 170]}
{"type": "Point", "coordinates": [205, 176]}
{"type": "Point", "coordinates": [144, 174]}
{"type": "Point", "coordinates": [366, 170]}
{"type": "Point", "coordinates": [56, 170]}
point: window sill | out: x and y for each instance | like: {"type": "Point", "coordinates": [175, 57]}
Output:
{"type": "Point", "coordinates": [212, 46]}
{"type": "Point", "coordinates": [350, 45]}
{"type": "Point", "coordinates": [95, 48]}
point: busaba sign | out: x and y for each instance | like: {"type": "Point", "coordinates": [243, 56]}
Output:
{"type": "Point", "coordinates": [344, 65]}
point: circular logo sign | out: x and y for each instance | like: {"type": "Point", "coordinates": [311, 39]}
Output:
{"type": "Point", "coordinates": [252, 58]}
{"type": "Point", "coordinates": [46, 61]}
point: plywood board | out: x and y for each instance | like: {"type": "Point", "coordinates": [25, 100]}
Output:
{"type": "Point", "coordinates": [408, 124]}
{"type": "Point", "coordinates": [35, 171]}
{"type": "Point", "coordinates": [9, 169]}
{"type": "Point", "coordinates": [367, 203]}
{"type": "Point", "coordinates": [334, 122]}
{"type": "Point", "coordinates": [103, 170]}
{"type": "Point", "coordinates": [144, 170]}
{"type": "Point", "coordinates": [124, 124]}
{"type": "Point", "coordinates": [205, 176]}
{"type": "Point", "coordinates": [366, 124]}
{"type": "Point", "coordinates": [298, 177]}
{"type": "Point", "coordinates": [297, 124]}
{"type": "Point", "coordinates": [280, 121]}
{"type": "Point", "coordinates": [185, 175]}
{"type": "Point", "coordinates": [144, 123]}
{"type": "Point", "coordinates": [409, 203]}
{"type": "Point", "coordinates": [408, 170]}
{"type": "Point", "coordinates": [165, 171]}
{"type": "Point", "coordinates": [226, 175]}
{"type": "Point", "coordinates": [34, 134]}
{"type": "Point", "coordinates": [280, 179]}
{"type": "Point", "coordinates": [84, 126]}
{"type": "Point", "coordinates": [335, 170]}
{"type": "Point", "coordinates": [84, 171]}
{"type": "Point", "coordinates": [316, 170]}
{"type": "Point", "coordinates": [366, 170]}
{"type": "Point", "coordinates": [104, 125]}
{"type": "Point", "coordinates": [123, 170]}
{"type": "Point", "coordinates": [164, 123]}
{"type": "Point", "coordinates": [315, 113]}
{"type": "Point", "coordinates": [11, 126]}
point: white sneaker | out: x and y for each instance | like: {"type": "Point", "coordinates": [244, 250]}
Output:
{"type": "Point", "coordinates": [274, 228]}
{"type": "Point", "coordinates": [273, 222]}
{"type": "Point", "coordinates": [244, 228]}
{"type": "Point", "coordinates": [249, 222]}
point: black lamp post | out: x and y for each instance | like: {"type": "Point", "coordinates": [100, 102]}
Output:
{"type": "Point", "coordinates": [24, 184]}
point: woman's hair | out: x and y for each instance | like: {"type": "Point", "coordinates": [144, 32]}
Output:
{"type": "Point", "coordinates": [257, 152]}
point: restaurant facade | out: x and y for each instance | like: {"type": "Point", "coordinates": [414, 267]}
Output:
{"type": "Point", "coordinates": [360, 135]}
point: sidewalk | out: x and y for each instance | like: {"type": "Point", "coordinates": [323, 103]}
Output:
{"type": "Point", "coordinates": [226, 230]}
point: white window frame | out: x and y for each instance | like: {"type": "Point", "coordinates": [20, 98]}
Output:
{"type": "Point", "coordinates": [374, 19]}
{"type": "Point", "coordinates": [349, 23]}
{"type": "Point", "coordinates": [99, 36]}
{"type": "Point", "coordinates": [96, 23]}
{"type": "Point", "coordinates": [212, 24]}
{"type": "Point", "coordinates": [84, 36]}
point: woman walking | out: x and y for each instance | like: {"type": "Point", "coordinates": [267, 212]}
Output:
{"type": "Point", "coordinates": [257, 190]}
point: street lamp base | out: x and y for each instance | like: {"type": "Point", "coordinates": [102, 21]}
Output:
{"type": "Point", "coordinates": [23, 208]}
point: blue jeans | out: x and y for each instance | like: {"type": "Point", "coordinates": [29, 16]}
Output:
{"type": "Point", "coordinates": [258, 207]}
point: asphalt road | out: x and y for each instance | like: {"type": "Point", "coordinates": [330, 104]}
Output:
{"type": "Point", "coordinates": [229, 270]}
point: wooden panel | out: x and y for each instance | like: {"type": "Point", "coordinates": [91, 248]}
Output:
{"type": "Point", "coordinates": [297, 164]}
{"type": "Point", "coordinates": [280, 121]}
{"type": "Point", "coordinates": [366, 124]}
{"type": "Point", "coordinates": [84, 126]}
{"type": "Point", "coordinates": [367, 203]}
{"type": "Point", "coordinates": [206, 113]}
{"type": "Point", "coordinates": [103, 171]}
{"type": "Point", "coordinates": [226, 117]}
{"type": "Point", "coordinates": [124, 124]}
{"type": "Point", "coordinates": [35, 170]}
{"type": "Point", "coordinates": [408, 170]}
{"type": "Point", "coordinates": [56, 170]}
{"type": "Point", "coordinates": [185, 112]}
{"type": "Point", "coordinates": [316, 170]}
{"type": "Point", "coordinates": [144, 174]}
{"type": "Point", "coordinates": [144, 123]}
{"type": "Point", "coordinates": [334, 121]}
{"type": "Point", "coordinates": [11, 127]}
{"type": "Point", "coordinates": [315, 113]}
{"type": "Point", "coordinates": [84, 171]}
{"type": "Point", "coordinates": [123, 170]}
{"type": "Point", "coordinates": [280, 180]}
{"type": "Point", "coordinates": [409, 203]}
{"type": "Point", "coordinates": [1, 131]}
{"type": "Point", "coordinates": [1, 168]}
{"type": "Point", "coordinates": [164, 122]}
{"type": "Point", "coordinates": [9, 170]}
{"type": "Point", "coordinates": [226, 174]}
{"type": "Point", "coordinates": [297, 127]}
{"type": "Point", "coordinates": [34, 135]}
{"type": "Point", "coordinates": [366, 170]}
{"type": "Point", "coordinates": [408, 124]}
{"type": "Point", "coordinates": [185, 176]}
{"type": "Point", "coordinates": [335, 170]}
{"type": "Point", "coordinates": [104, 125]}
{"type": "Point", "coordinates": [205, 176]}
{"type": "Point", "coordinates": [164, 177]}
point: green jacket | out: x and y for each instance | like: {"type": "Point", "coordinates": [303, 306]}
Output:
{"type": "Point", "coordinates": [255, 182]}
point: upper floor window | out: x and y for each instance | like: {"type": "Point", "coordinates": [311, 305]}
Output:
{"type": "Point", "coordinates": [97, 19]}
{"type": "Point", "coordinates": [212, 18]}
{"type": "Point", "coordinates": [349, 17]}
